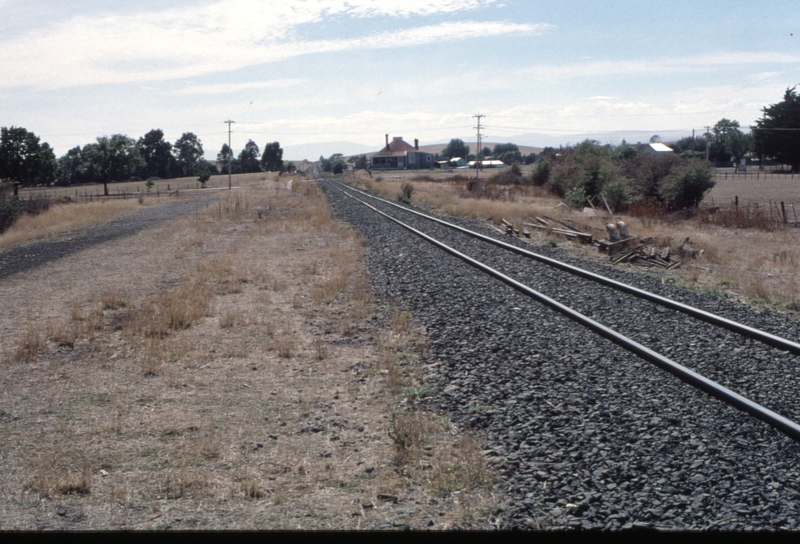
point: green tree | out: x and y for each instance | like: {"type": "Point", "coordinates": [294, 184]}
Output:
{"type": "Point", "coordinates": [508, 153]}
{"type": "Point", "coordinates": [272, 159]}
{"type": "Point", "coordinates": [69, 167]}
{"type": "Point", "coordinates": [225, 157]}
{"type": "Point", "coordinates": [112, 158]}
{"type": "Point", "coordinates": [157, 155]}
{"type": "Point", "coordinates": [776, 135]}
{"type": "Point", "coordinates": [188, 149]}
{"type": "Point", "coordinates": [203, 172]}
{"type": "Point", "coordinates": [688, 143]}
{"type": "Point", "coordinates": [737, 144]}
{"type": "Point", "coordinates": [719, 139]}
{"type": "Point", "coordinates": [361, 163]}
{"type": "Point", "coordinates": [23, 160]}
{"type": "Point", "coordinates": [48, 165]}
{"type": "Point", "coordinates": [249, 158]}
{"type": "Point", "coordinates": [456, 148]}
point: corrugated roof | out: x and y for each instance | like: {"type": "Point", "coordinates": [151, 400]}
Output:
{"type": "Point", "coordinates": [661, 148]}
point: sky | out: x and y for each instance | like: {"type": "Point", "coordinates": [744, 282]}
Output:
{"type": "Point", "coordinates": [317, 71]}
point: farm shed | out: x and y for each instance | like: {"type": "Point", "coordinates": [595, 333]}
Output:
{"type": "Point", "coordinates": [400, 154]}
{"type": "Point", "coordinates": [654, 148]}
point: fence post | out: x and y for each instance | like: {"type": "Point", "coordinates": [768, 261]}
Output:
{"type": "Point", "coordinates": [736, 201]}
{"type": "Point", "coordinates": [783, 211]}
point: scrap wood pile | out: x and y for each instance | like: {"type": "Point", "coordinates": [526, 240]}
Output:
{"type": "Point", "coordinates": [564, 227]}
{"type": "Point", "coordinates": [647, 255]}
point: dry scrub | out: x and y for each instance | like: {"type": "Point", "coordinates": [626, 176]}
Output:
{"type": "Point", "coordinates": [749, 264]}
{"type": "Point", "coordinates": [65, 217]}
{"type": "Point", "coordinates": [230, 369]}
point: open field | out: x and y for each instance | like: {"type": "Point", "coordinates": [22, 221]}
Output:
{"type": "Point", "coordinates": [227, 369]}
{"type": "Point", "coordinates": [751, 265]}
{"type": "Point", "coordinates": [770, 187]}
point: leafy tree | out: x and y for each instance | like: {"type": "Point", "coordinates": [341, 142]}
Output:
{"type": "Point", "coordinates": [456, 148]}
{"type": "Point", "coordinates": [188, 149]}
{"type": "Point", "coordinates": [272, 159]}
{"type": "Point", "coordinates": [157, 155]}
{"type": "Point", "coordinates": [69, 167]}
{"type": "Point", "coordinates": [112, 158]}
{"type": "Point", "coordinates": [698, 143]}
{"type": "Point", "coordinates": [624, 152]}
{"type": "Point", "coordinates": [486, 152]}
{"type": "Point", "coordinates": [249, 158]}
{"type": "Point", "coordinates": [361, 163]}
{"type": "Point", "coordinates": [530, 158]}
{"type": "Point", "coordinates": [225, 157]}
{"type": "Point", "coordinates": [48, 165]}
{"type": "Point", "coordinates": [719, 138]}
{"type": "Point", "coordinates": [737, 144]}
{"type": "Point", "coordinates": [776, 135]}
{"type": "Point", "coordinates": [23, 161]}
{"type": "Point", "coordinates": [203, 172]}
{"type": "Point", "coordinates": [655, 138]}
{"type": "Point", "coordinates": [508, 153]}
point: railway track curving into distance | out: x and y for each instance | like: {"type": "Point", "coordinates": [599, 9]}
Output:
{"type": "Point", "coordinates": [582, 430]}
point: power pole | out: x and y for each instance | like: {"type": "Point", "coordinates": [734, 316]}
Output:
{"type": "Point", "coordinates": [230, 150]}
{"type": "Point", "coordinates": [708, 142]}
{"type": "Point", "coordinates": [477, 151]}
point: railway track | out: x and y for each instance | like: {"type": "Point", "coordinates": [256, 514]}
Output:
{"type": "Point", "coordinates": [785, 425]}
{"type": "Point", "coordinates": [583, 433]}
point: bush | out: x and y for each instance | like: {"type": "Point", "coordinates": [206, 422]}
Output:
{"type": "Point", "coordinates": [618, 195]}
{"type": "Point", "coordinates": [686, 187]}
{"type": "Point", "coordinates": [575, 197]}
{"type": "Point", "coordinates": [406, 190]}
{"type": "Point", "coordinates": [11, 208]}
{"type": "Point", "coordinates": [541, 174]}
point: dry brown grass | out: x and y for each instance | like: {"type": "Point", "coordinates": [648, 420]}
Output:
{"type": "Point", "coordinates": [62, 218]}
{"type": "Point", "coordinates": [161, 393]}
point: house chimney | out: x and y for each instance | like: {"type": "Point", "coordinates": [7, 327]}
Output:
{"type": "Point", "coordinates": [416, 144]}
{"type": "Point", "coordinates": [387, 142]}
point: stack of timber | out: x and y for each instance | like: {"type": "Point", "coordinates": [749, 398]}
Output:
{"type": "Point", "coordinates": [564, 227]}
{"type": "Point", "coordinates": [647, 256]}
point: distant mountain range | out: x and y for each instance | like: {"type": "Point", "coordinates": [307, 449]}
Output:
{"type": "Point", "coordinates": [530, 142]}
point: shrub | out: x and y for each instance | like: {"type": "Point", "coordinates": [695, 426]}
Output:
{"type": "Point", "coordinates": [541, 174]}
{"type": "Point", "coordinates": [686, 187]}
{"type": "Point", "coordinates": [406, 190]}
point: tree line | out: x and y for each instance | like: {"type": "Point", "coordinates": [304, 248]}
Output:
{"type": "Point", "coordinates": [24, 161]}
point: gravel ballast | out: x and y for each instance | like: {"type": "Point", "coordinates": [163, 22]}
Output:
{"type": "Point", "coordinates": [582, 433]}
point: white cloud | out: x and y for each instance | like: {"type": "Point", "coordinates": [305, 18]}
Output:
{"type": "Point", "coordinates": [223, 88]}
{"type": "Point", "coordinates": [665, 65]}
{"type": "Point", "coordinates": [227, 35]}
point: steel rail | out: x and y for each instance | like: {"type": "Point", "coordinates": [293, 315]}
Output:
{"type": "Point", "coordinates": [719, 321]}
{"type": "Point", "coordinates": [718, 391]}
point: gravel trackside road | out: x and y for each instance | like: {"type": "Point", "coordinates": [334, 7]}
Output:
{"type": "Point", "coordinates": [29, 256]}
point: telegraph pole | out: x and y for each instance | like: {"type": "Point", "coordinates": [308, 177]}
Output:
{"type": "Point", "coordinates": [477, 151]}
{"type": "Point", "coordinates": [230, 150]}
{"type": "Point", "coordinates": [708, 142]}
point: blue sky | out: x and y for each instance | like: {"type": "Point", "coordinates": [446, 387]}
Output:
{"type": "Point", "coordinates": [305, 71]}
